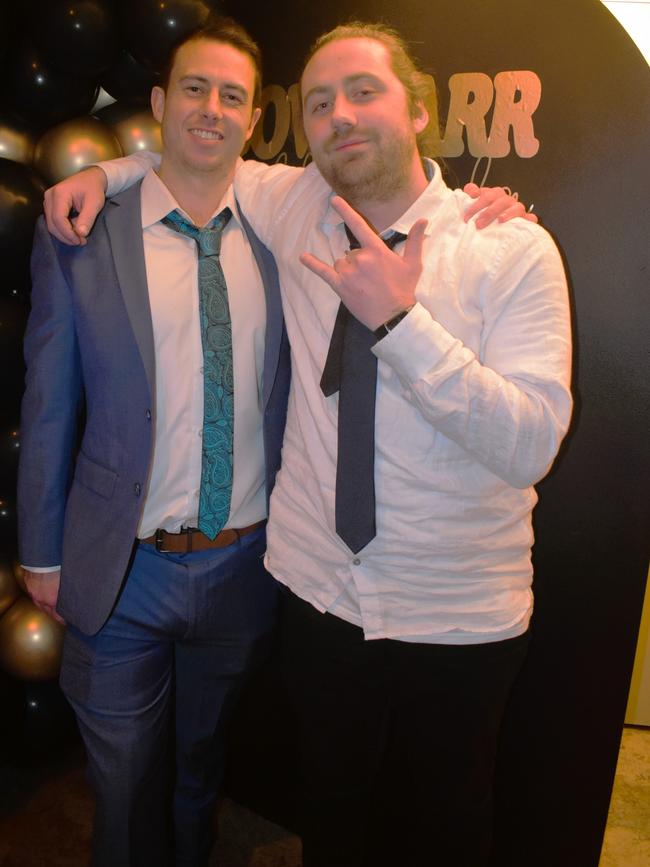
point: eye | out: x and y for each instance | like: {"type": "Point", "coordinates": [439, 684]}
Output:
{"type": "Point", "coordinates": [320, 107]}
{"type": "Point", "coordinates": [193, 88]}
{"type": "Point", "coordinates": [233, 98]}
{"type": "Point", "coordinates": [363, 92]}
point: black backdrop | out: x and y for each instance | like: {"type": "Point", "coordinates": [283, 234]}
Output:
{"type": "Point", "coordinates": [590, 183]}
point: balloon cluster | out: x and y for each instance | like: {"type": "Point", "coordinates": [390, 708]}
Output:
{"type": "Point", "coordinates": [77, 75]}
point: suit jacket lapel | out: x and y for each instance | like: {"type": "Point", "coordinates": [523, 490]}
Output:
{"type": "Point", "coordinates": [124, 227]}
{"type": "Point", "coordinates": [274, 319]}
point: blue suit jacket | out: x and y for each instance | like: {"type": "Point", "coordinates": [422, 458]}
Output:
{"type": "Point", "coordinates": [87, 416]}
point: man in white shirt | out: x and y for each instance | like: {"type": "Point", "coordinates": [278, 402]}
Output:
{"type": "Point", "coordinates": [405, 647]}
{"type": "Point", "coordinates": [402, 644]}
{"type": "Point", "coordinates": [158, 521]}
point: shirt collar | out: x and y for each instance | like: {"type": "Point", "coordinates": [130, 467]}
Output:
{"type": "Point", "coordinates": [428, 201]}
{"type": "Point", "coordinates": [157, 201]}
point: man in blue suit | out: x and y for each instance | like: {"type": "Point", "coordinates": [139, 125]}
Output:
{"type": "Point", "coordinates": [151, 431]}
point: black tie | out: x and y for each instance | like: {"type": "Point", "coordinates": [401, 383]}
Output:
{"type": "Point", "coordinates": [351, 369]}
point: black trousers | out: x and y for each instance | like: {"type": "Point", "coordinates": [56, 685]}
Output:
{"type": "Point", "coordinates": [398, 742]}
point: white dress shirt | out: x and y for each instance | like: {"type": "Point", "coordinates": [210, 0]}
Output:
{"type": "Point", "coordinates": [472, 403]}
{"type": "Point", "coordinates": [171, 261]}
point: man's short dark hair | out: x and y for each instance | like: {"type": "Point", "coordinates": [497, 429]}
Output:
{"type": "Point", "coordinates": [218, 28]}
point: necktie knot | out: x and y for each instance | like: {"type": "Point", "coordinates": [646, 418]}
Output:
{"type": "Point", "coordinates": [207, 237]}
{"type": "Point", "coordinates": [391, 240]}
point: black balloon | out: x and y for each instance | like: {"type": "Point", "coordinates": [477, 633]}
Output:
{"type": "Point", "coordinates": [48, 720]}
{"type": "Point", "coordinates": [8, 526]}
{"type": "Point", "coordinates": [129, 81]}
{"type": "Point", "coordinates": [4, 30]}
{"type": "Point", "coordinates": [13, 318]}
{"type": "Point", "coordinates": [41, 94]}
{"type": "Point", "coordinates": [75, 36]}
{"type": "Point", "coordinates": [151, 27]}
{"type": "Point", "coordinates": [10, 448]}
{"type": "Point", "coordinates": [12, 718]}
{"type": "Point", "coordinates": [21, 197]}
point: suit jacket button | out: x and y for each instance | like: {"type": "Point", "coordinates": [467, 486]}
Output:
{"type": "Point", "coordinates": [137, 489]}
{"type": "Point", "coordinates": [148, 415]}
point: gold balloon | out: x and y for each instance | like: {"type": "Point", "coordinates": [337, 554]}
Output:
{"type": "Point", "coordinates": [9, 590]}
{"type": "Point", "coordinates": [73, 145]}
{"type": "Point", "coordinates": [30, 642]}
{"type": "Point", "coordinates": [138, 132]}
{"type": "Point", "coordinates": [16, 144]}
{"type": "Point", "coordinates": [19, 575]}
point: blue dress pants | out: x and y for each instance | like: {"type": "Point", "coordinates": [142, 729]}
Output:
{"type": "Point", "coordinates": [153, 691]}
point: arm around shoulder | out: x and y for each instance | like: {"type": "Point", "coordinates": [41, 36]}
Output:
{"type": "Point", "coordinates": [72, 205]}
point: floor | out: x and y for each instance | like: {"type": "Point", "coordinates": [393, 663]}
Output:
{"type": "Point", "coordinates": [246, 840]}
{"type": "Point", "coordinates": [627, 837]}
{"type": "Point", "coordinates": [46, 823]}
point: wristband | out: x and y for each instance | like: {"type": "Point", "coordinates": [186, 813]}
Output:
{"type": "Point", "coordinates": [388, 326]}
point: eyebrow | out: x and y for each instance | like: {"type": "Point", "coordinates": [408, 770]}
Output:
{"type": "Point", "coordinates": [349, 79]}
{"type": "Point", "coordinates": [229, 85]}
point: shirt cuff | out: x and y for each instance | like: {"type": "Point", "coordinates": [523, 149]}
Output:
{"type": "Point", "coordinates": [416, 345]}
{"type": "Point", "coordinates": [40, 569]}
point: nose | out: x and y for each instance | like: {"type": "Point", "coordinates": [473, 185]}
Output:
{"type": "Point", "coordinates": [343, 116]}
{"type": "Point", "coordinates": [211, 106]}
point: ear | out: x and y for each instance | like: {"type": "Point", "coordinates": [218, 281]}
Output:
{"type": "Point", "coordinates": [420, 117]}
{"type": "Point", "coordinates": [255, 116]}
{"type": "Point", "coordinates": [157, 103]}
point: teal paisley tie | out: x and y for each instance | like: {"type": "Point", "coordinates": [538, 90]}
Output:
{"type": "Point", "coordinates": [218, 392]}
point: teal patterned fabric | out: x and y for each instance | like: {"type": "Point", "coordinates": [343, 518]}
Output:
{"type": "Point", "coordinates": [218, 391]}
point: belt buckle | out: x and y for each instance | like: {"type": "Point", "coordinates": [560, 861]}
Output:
{"type": "Point", "coordinates": [159, 542]}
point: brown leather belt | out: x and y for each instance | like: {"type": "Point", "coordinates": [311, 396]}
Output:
{"type": "Point", "coordinates": [190, 539]}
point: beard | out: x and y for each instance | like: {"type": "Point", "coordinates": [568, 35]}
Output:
{"type": "Point", "coordinates": [378, 174]}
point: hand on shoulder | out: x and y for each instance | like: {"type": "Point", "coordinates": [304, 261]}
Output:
{"type": "Point", "coordinates": [83, 194]}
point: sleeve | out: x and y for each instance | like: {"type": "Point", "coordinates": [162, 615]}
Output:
{"type": "Point", "coordinates": [510, 405]}
{"type": "Point", "coordinates": [50, 408]}
{"type": "Point", "coordinates": [123, 172]}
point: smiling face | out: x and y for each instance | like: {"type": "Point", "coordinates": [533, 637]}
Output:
{"type": "Point", "coordinates": [206, 111]}
{"type": "Point", "coordinates": [361, 133]}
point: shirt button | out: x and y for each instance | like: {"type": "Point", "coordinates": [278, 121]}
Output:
{"type": "Point", "coordinates": [201, 370]}
{"type": "Point", "coordinates": [199, 433]}
{"type": "Point", "coordinates": [356, 562]}
{"type": "Point", "coordinates": [148, 415]}
{"type": "Point", "coordinates": [137, 489]}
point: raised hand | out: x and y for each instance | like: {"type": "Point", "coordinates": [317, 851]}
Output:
{"type": "Point", "coordinates": [373, 282]}
{"type": "Point", "coordinates": [84, 193]}
{"type": "Point", "coordinates": [495, 203]}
